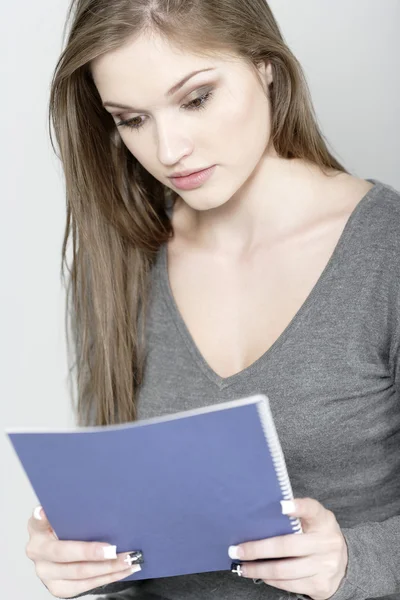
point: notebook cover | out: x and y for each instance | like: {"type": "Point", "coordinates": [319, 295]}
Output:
{"type": "Point", "coordinates": [180, 489]}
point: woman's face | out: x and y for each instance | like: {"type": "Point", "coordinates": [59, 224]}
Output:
{"type": "Point", "coordinates": [220, 116]}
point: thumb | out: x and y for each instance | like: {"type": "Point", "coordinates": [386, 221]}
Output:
{"type": "Point", "coordinates": [42, 521]}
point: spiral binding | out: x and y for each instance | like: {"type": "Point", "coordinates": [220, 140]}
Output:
{"type": "Point", "coordinates": [278, 460]}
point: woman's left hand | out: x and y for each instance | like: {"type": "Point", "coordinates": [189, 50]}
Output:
{"type": "Point", "coordinates": [318, 557]}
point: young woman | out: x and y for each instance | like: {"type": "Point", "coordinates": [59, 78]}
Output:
{"type": "Point", "coordinates": [272, 270]}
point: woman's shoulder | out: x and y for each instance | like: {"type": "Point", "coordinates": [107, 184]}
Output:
{"type": "Point", "coordinates": [371, 191]}
{"type": "Point", "coordinates": [377, 219]}
{"type": "Point", "coordinates": [384, 201]}
{"type": "Point", "coordinates": [376, 205]}
{"type": "Point", "coordinates": [388, 192]}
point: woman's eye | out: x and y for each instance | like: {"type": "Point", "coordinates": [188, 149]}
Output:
{"type": "Point", "coordinates": [133, 124]}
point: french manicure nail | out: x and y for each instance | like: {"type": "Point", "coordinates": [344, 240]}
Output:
{"type": "Point", "coordinates": [235, 552]}
{"type": "Point", "coordinates": [36, 513]}
{"type": "Point", "coordinates": [110, 551]}
{"type": "Point", "coordinates": [287, 507]}
{"type": "Point", "coordinates": [237, 568]}
{"type": "Point", "coordinates": [134, 557]}
{"type": "Point", "coordinates": [136, 569]}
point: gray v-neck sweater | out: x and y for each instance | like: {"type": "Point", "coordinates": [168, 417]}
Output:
{"type": "Point", "coordinates": [333, 382]}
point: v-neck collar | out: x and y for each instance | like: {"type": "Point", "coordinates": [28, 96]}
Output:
{"type": "Point", "coordinates": [312, 298]}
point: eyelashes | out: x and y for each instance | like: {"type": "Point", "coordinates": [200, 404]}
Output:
{"type": "Point", "coordinates": [203, 99]}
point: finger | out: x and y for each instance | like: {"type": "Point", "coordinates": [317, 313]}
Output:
{"type": "Point", "coordinates": [314, 516]}
{"type": "Point", "coordinates": [43, 548]}
{"type": "Point", "coordinates": [40, 548]}
{"type": "Point", "coordinates": [280, 570]}
{"type": "Point", "coordinates": [82, 570]}
{"type": "Point", "coordinates": [39, 523]}
{"type": "Point", "coordinates": [282, 546]}
{"type": "Point", "coordinates": [71, 588]}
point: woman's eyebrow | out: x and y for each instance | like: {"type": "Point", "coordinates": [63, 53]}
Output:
{"type": "Point", "coordinates": [171, 92]}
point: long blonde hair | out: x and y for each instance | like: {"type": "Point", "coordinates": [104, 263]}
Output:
{"type": "Point", "coordinates": [116, 210]}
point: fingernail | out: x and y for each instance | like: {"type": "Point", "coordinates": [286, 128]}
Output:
{"type": "Point", "coordinates": [110, 551]}
{"type": "Point", "coordinates": [136, 568]}
{"type": "Point", "coordinates": [237, 568]}
{"type": "Point", "coordinates": [287, 507]}
{"type": "Point", "coordinates": [36, 513]}
{"type": "Point", "coordinates": [235, 552]}
{"type": "Point", "coordinates": [134, 558]}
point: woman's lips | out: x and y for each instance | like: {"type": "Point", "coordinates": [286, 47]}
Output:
{"type": "Point", "coordinates": [193, 181]}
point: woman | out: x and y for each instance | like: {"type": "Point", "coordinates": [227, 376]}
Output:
{"type": "Point", "coordinates": [274, 271]}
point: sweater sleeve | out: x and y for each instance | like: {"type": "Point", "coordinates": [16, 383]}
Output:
{"type": "Point", "coordinates": [114, 588]}
{"type": "Point", "coordinates": [373, 561]}
{"type": "Point", "coordinates": [373, 568]}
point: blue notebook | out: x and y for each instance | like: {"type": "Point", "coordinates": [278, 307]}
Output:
{"type": "Point", "coordinates": [180, 488]}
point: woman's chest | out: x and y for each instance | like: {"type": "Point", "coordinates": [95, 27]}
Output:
{"type": "Point", "coordinates": [235, 310]}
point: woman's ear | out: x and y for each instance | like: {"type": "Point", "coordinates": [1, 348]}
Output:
{"type": "Point", "coordinates": [266, 73]}
{"type": "Point", "coordinates": [269, 74]}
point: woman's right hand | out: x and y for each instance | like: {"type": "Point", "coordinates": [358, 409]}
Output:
{"type": "Point", "coordinates": [69, 568]}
